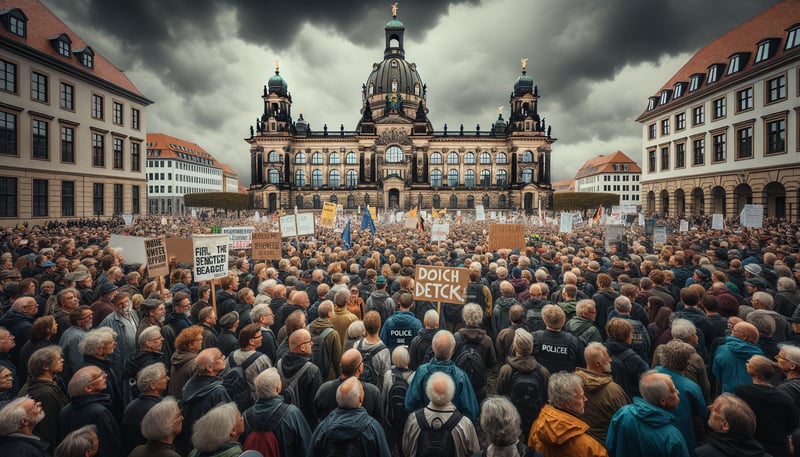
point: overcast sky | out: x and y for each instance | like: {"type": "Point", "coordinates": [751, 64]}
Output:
{"type": "Point", "coordinates": [204, 63]}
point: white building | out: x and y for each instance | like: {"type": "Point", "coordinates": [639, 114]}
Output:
{"type": "Point", "coordinates": [723, 131]}
{"type": "Point", "coordinates": [72, 125]}
{"type": "Point", "coordinates": [613, 174]}
{"type": "Point", "coordinates": [176, 167]}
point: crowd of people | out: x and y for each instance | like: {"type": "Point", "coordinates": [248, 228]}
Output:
{"type": "Point", "coordinates": [569, 347]}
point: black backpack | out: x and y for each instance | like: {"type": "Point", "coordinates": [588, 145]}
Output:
{"type": "Point", "coordinates": [528, 394]}
{"type": "Point", "coordinates": [318, 353]}
{"type": "Point", "coordinates": [475, 294]}
{"type": "Point", "coordinates": [291, 386]}
{"type": "Point", "coordinates": [396, 413]}
{"type": "Point", "coordinates": [472, 360]}
{"type": "Point", "coordinates": [533, 320]}
{"type": "Point", "coordinates": [347, 448]}
{"type": "Point", "coordinates": [619, 372]}
{"type": "Point", "coordinates": [235, 381]}
{"type": "Point", "coordinates": [436, 442]}
{"type": "Point", "coordinates": [379, 304]}
{"type": "Point", "coordinates": [370, 373]}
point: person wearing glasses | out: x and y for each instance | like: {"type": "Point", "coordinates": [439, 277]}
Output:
{"type": "Point", "coordinates": [90, 405]}
{"type": "Point", "coordinates": [788, 359]}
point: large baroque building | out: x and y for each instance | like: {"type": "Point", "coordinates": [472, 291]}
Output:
{"type": "Point", "coordinates": [394, 158]}
{"type": "Point", "coordinates": [176, 167]}
{"type": "Point", "coordinates": [72, 125]}
{"type": "Point", "coordinates": [611, 174]}
{"type": "Point", "coordinates": [723, 131]}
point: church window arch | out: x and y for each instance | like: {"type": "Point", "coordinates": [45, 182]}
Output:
{"type": "Point", "coordinates": [394, 154]}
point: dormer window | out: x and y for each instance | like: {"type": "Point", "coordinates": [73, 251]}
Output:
{"type": "Point", "coordinates": [695, 82]}
{"type": "Point", "coordinates": [63, 45]}
{"type": "Point", "coordinates": [714, 72]}
{"type": "Point", "coordinates": [85, 57]}
{"type": "Point", "coordinates": [793, 39]}
{"type": "Point", "coordinates": [680, 88]}
{"type": "Point", "coordinates": [766, 49]}
{"type": "Point", "coordinates": [16, 22]}
{"type": "Point", "coordinates": [737, 62]}
{"type": "Point", "coordinates": [665, 96]}
{"type": "Point", "coordinates": [651, 103]}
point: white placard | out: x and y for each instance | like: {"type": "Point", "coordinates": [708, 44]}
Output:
{"type": "Point", "coordinates": [210, 256]}
{"type": "Point", "coordinates": [241, 237]}
{"type": "Point", "coordinates": [566, 223]}
{"type": "Point", "coordinates": [717, 222]}
{"type": "Point", "coordinates": [752, 216]}
{"type": "Point", "coordinates": [132, 247]}
{"type": "Point", "coordinates": [660, 234]}
{"type": "Point", "coordinates": [439, 232]}
{"type": "Point", "coordinates": [288, 226]}
{"type": "Point", "coordinates": [128, 218]}
{"type": "Point", "coordinates": [480, 214]}
{"type": "Point", "coordinates": [305, 224]}
{"type": "Point", "coordinates": [684, 226]}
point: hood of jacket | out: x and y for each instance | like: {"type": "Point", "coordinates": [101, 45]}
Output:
{"type": "Point", "coordinates": [292, 362]}
{"type": "Point", "coordinates": [593, 382]}
{"type": "Point", "coordinates": [568, 306]}
{"type": "Point", "coordinates": [318, 325]}
{"type": "Point", "coordinates": [741, 349]}
{"type": "Point", "coordinates": [200, 386]}
{"type": "Point", "coordinates": [472, 333]}
{"type": "Point", "coordinates": [557, 426]}
{"type": "Point", "coordinates": [522, 363]}
{"type": "Point", "coordinates": [379, 293]}
{"type": "Point", "coordinates": [180, 358]}
{"type": "Point", "coordinates": [651, 414]}
{"type": "Point", "coordinates": [83, 401]}
{"type": "Point", "coordinates": [732, 444]}
{"type": "Point", "coordinates": [13, 318]}
{"type": "Point", "coordinates": [347, 424]}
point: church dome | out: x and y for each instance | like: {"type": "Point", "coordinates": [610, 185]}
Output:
{"type": "Point", "coordinates": [523, 85]}
{"type": "Point", "coordinates": [277, 84]}
{"type": "Point", "coordinates": [395, 24]}
{"type": "Point", "coordinates": [394, 74]}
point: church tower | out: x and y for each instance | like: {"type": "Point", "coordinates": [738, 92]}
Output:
{"type": "Point", "coordinates": [277, 117]}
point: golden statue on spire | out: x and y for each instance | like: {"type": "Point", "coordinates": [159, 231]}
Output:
{"type": "Point", "coordinates": [524, 63]}
{"type": "Point", "coordinates": [500, 110]}
{"type": "Point", "coordinates": [277, 65]}
{"type": "Point", "coordinates": [394, 9]}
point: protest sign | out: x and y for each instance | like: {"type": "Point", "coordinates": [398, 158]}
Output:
{"type": "Point", "coordinates": [305, 224]}
{"type": "Point", "coordinates": [614, 234]}
{"type": "Point", "coordinates": [439, 232]}
{"type": "Point", "coordinates": [503, 236]}
{"type": "Point", "coordinates": [684, 226]}
{"type": "Point", "coordinates": [660, 234]}
{"type": "Point", "coordinates": [480, 214]}
{"type": "Point", "coordinates": [128, 218]}
{"type": "Point", "coordinates": [210, 256]}
{"type": "Point", "coordinates": [566, 223]}
{"type": "Point", "coordinates": [328, 216]}
{"type": "Point", "coordinates": [181, 249]}
{"type": "Point", "coordinates": [440, 284]}
{"type": "Point", "coordinates": [717, 222]}
{"type": "Point", "coordinates": [267, 245]}
{"type": "Point", "coordinates": [240, 236]}
{"type": "Point", "coordinates": [288, 225]}
{"type": "Point", "coordinates": [752, 216]}
{"type": "Point", "coordinates": [132, 247]}
{"type": "Point", "coordinates": [156, 252]}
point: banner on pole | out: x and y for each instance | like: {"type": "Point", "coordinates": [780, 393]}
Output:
{"type": "Point", "coordinates": [210, 256]}
{"type": "Point", "coordinates": [441, 284]}
{"type": "Point", "coordinates": [157, 261]}
{"type": "Point", "coordinates": [267, 245]}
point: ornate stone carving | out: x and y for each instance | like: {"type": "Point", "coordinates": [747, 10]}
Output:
{"type": "Point", "coordinates": [393, 136]}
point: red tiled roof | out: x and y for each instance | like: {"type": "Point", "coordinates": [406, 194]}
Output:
{"type": "Point", "coordinates": [567, 185]}
{"type": "Point", "coordinates": [228, 170]}
{"type": "Point", "coordinates": [772, 23]}
{"type": "Point", "coordinates": [605, 164]}
{"type": "Point", "coordinates": [43, 25]}
{"type": "Point", "coordinates": [167, 144]}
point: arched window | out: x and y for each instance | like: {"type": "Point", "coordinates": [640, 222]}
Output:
{"type": "Point", "coordinates": [469, 178]}
{"type": "Point", "coordinates": [502, 178]}
{"type": "Point", "coordinates": [452, 158]}
{"type": "Point", "coordinates": [452, 178]}
{"type": "Point", "coordinates": [416, 89]}
{"type": "Point", "coordinates": [527, 157]}
{"type": "Point", "coordinates": [317, 202]}
{"type": "Point", "coordinates": [334, 199]}
{"type": "Point", "coordinates": [351, 201]}
{"type": "Point", "coordinates": [502, 157]}
{"type": "Point", "coordinates": [351, 178]}
{"type": "Point", "coordinates": [486, 178]}
{"type": "Point", "coordinates": [300, 178]}
{"type": "Point", "coordinates": [436, 159]}
{"type": "Point", "coordinates": [300, 159]}
{"type": "Point", "coordinates": [486, 158]}
{"type": "Point", "coordinates": [436, 178]}
{"type": "Point", "coordinates": [316, 178]}
{"type": "Point", "coordinates": [274, 176]}
{"type": "Point", "coordinates": [470, 201]}
{"type": "Point", "coordinates": [527, 175]}
{"type": "Point", "coordinates": [316, 159]}
{"type": "Point", "coordinates": [333, 178]}
{"type": "Point", "coordinates": [501, 201]}
{"type": "Point", "coordinates": [453, 201]}
{"type": "Point", "coordinates": [274, 157]}
{"type": "Point", "coordinates": [485, 200]}
{"type": "Point", "coordinates": [469, 158]}
{"type": "Point", "coordinates": [298, 201]}
{"type": "Point", "coordinates": [371, 88]}
{"type": "Point", "coordinates": [437, 201]}
{"type": "Point", "coordinates": [351, 158]}
{"type": "Point", "coordinates": [394, 154]}
{"type": "Point", "coordinates": [333, 159]}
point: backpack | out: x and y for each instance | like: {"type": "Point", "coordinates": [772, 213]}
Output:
{"type": "Point", "coordinates": [291, 386]}
{"type": "Point", "coordinates": [533, 320]}
{"type": "Point", "coordinates": [475, 294]}
{"type": "Point", "coordinates": [436, 442]}
{"type": "Point", "coordinates": [579, 332]}
{"type": "Point", "coordinates": [262, 432]}
{"type": "Point", "coordinates": [347, 448]}
{"type": "Point", "coordinates": [370, 373]}
{"type": "Point", "coordinates": [318, 353]}
{"type": "Point", "coordinates": [619, 372]}
{"type": "Point", "coordinates": [528, 394]}
{"type": "Point", "coordinates": [379, 304]}
{"type": "Point", "coordinates": [471, 359]}
{"type": "Point", "coordinates": [396, 413]}
{"type": "Point", "coordinates": [235, 381]}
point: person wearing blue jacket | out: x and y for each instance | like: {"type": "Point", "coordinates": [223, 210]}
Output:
{"type": "Point", "coordinates": [730, 360]}
{"type": "Point", "coordinates": [444, 344]}
{"type": "Point", "coordinates": [647, 427]}
{"type": "Point", "coordinates": [401, 327]}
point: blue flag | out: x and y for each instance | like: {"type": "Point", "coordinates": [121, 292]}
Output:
{"type": "Point", "coordinates": [366, 220]}
{"type": "Point", "coordinates": [346, 235]}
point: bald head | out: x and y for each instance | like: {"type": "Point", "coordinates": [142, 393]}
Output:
{"type": "Point", "coordinates": [206, 360]}
{"type": "Point", "coordinates": [350, 394]}
{"type": "Point", "coordinates": [350, 362]}
{"type": "Point", "coordinates": [298, 340]}
{"type": "Point", "coordinates": [300, 299]}
{"type": "Point", "coordinates": [746, 331]}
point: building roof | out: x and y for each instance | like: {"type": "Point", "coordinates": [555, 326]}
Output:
{"type": "Point", "coordinates": [567, 185]}
{"type": "Point", "coordinates": [170, 147]}
{"type": "Point", "coordinates": [43, 25]}
{"type": "Point", "coordinates": [605, 164]}
{"type": "Point", "coordinates": [773, 22]}
{"type": "Point", "coordinates": [228, 171]}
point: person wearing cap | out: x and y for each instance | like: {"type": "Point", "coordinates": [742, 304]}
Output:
{"type": "Point", "coordinates": [380, 301]}
{"type": "Point", "coordinates": [729, 364]}
{"type": "Point", "coordinates": [103, 306]}
{"type": "Point", "coordinates": [227, 341]}
{"type": "Point", "coordinates": [82, 280]}
{"type": "Point", "coordinates": [48, 272]}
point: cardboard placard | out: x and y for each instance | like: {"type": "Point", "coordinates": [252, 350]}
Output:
{"type": "Point", "coordinates": [614, 234]}
{"type": "Point", "coordinates": [210, 256]}
{"type": "Point", "coordinates": [181, 249]}
{"type": "Point", "coordinates": [480, 215]}
{"type": "Point", "coordinates": [305, 224]}
{"type": "Point", "coordinates": [503, 236]}
{"type": "Point", "coordinates": [441, 284]}
{"type": "Point", "coordinates": [660, 234]}
{"type": "Point", "coordinates": [267, 245]}
{"type": "Point", "coordinates": [752, 216]}
{"type": "Point", "coordinates": [717, 222]}
{"type": "Point", "coordinates": [157, 260]}
{"type": "Point", "coordinates": [566, 223]}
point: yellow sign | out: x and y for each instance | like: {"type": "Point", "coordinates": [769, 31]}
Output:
{"type": "Point", "coordinates": [374, 213]}
{"type": "Point", "coordinates": [328, 216]}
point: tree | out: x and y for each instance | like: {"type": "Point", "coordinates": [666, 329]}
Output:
{"type": "Point", "coordinates": [583, 201]}
{"type": "Point", "coordinates": [217, 200]}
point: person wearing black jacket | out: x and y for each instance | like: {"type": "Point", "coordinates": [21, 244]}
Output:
{"type": "Point", "coordinates": [420, 348]}
{"type": "Point", "coordinates": [290, 366]}
{"type": "Point", "coordinates": [733, 424]}
{"type": "Point", "coordinates": [352, 366]}
{"type": "Point", "coordinates": [554, 349]}
{"type": "Point", "coordinates": [201, 392]}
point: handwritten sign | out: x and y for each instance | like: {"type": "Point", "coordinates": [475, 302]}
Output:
{"type": "Point", "coordinates": [288, 225]}
{"type": "Point", "coordinates": [566, 223]}
{"type": "Point", "coordinates": [717, 222]}
{"type": "Point", "coordinates": [441, 284]}
{"type": "Point", "coordinates": [503, 236]}
{"type": "Point", "coordinates": [614, 234]}
{"type": "Point", "coordinates": [240, 236]}
{"type": "Point", "coordinates": [684, 226]}
{"type": "Point", "coordinates": [156, 251]}
{"type": "Point", "coordinates": [132, 247]}
{"type": "Point", "coordinates": [266, 245]}
{"type": "Point", "coordinates": [210, 256]}
{"type": "Point", "coordinates": [328, 216]}
{"type": "Point", "coordinates": [660, 234]}
{"type": "Point", "coordinates": [752, 216]}
{"type": "Point", "coordinates": [439, 232]}
{"type": "Point", "coordinates": [480, 214]}
{"type": "Point", "coordinates": [305, 224]}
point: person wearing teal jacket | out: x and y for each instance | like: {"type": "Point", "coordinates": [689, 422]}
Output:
{"type": "Point", "coordinates": [444, 344]}
{"type": "Point", "coordinates": [731, 357]}
{"type": "Point", "coordinates": [646, 427]}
